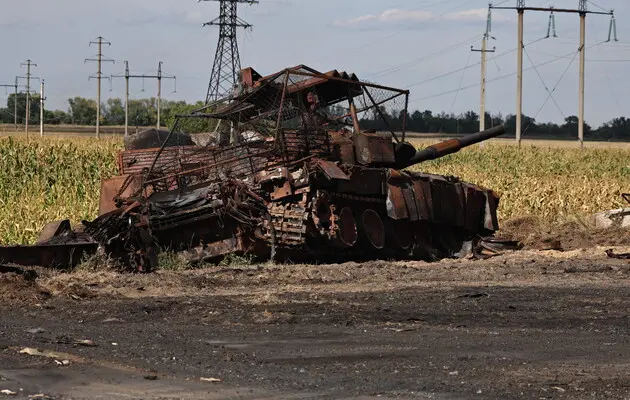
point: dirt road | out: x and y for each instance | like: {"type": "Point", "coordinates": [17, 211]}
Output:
{"type": "Point", "coordinates": [527, 325]}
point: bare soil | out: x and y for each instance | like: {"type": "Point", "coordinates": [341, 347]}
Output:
{"type": "Point", "coordinates": [533, 324]}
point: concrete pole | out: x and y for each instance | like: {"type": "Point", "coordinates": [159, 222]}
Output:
{"type": "Point", "coordinates": [41, 109]}
{"type": "Point", "coordinates": [519, 78]}
{"type": "Point", "coordinates": [159, 93]}
{"type": "Point", "coordinates": [582, 67]}
{"type": "Point", "coordinates": [98, 90]}
{"type": "Point", "coordinates": [15, 100]}
{"type": "Point", "coordinates": [482, 104]}
{"type": "Point", "coordinates": [126, 98]}
{"type": "Point", "coordinates": [28, 91]}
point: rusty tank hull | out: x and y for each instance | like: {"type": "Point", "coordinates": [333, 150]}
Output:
{"type": "Point", "coordinates": [283, 169]}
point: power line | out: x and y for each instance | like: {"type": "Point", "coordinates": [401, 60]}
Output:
{"type": "Point", "coordinates": [470, 65]}
{"type": "Point", "coordinates": [355, 48]}
{"type": "Point", "coordinates": [28, 64]}
{"type": "Point", "coordinates": [159, 76]}
{"type": "Point", "coordinates": [582, 10]}
{"type": "Point", "coordinates": [15, 99]}
{"type": "Point", "coordinates": [100, 41]}
{"type": "Point", "coordinates": [545, 85]}
{"type": "Point", "coordinates": [556, 86]}
{"type": "Point", "coordinates": [611, 88]}
{"type": "Point", "coordinates": [501, 77]}
{"type": "Point", "coordinates": [595, 60]}
{"type": "Point", "coordinates": [461, 79]}
{"type": "Point", "coordinates": [598, 6]}
{"type": "Point", "coordinates": [397, 68]}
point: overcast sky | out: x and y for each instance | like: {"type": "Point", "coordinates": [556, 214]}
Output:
{"type": "Point", "coordinates": [402, 43]}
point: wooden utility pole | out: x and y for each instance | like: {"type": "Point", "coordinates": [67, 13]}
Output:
{"type": "Point", "coordinates": [582, 11]}
{"type": "Point", "coordinates": [99, 60]}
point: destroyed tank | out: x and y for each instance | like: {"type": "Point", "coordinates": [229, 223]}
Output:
{"type": "Point", "coordinates": [285, 171]}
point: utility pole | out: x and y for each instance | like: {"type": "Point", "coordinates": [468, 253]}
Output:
{"type": "Point", "coordinates": [100, 41]}
{"type": "Point", "coordinates": [484, 50]}
{"type": "Point", "coordinates": [15, 100]}
{"type": "Point", "coordinates": [159, 78]}
{"type": "Point", "coordinates": [126, 76]}
{"type": "Point", "coordinates": [227, 62]}
{"type": "Point", "coordinates": [582, 11]}
{"type": "Point", "coordinates": [41, 109]}
{"type": "Point", "coordinates": [29, 64]}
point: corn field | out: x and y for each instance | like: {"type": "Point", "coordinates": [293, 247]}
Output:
{"type": "Point", "coordinates": [43, 180]}
{"type": "Point", "coordinates": [48, 179]}
{"type": "Point", "coordinates": [550, 183]}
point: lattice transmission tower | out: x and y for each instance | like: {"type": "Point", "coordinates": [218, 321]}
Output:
{"type": "Point", "coordinates": [227, 62]}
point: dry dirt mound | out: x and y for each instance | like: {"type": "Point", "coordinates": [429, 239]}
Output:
{"type": "Point", "coordinates": [18, 289]}
{"type": "Point", "coordinates": [537, 234]}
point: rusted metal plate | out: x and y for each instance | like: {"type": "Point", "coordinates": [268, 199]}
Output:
{"type": "Point", "coordinates": [475, 208]}
{"type": "Point", "coordinates": [447, 204]}
{"type": "Point", "coordinates": [364, 181]}
{"type": "Point", "coordinates": [395, 203]}
{"type": "Point", "coordinates": [491, 222]}
{"type": "Point", "coordinates": [373, 148]}
{"type": "Point", "coordinates": [410, 201]}
{"type": "Point", "coordinates": [48, 256]}
{"type": "Point", "coordinates": [282, 191]}
{"type": "Point", "coordinates": [460, 210]}
{"type": "Point", "coordinates": [53, 229]}
{"type": "Point", "coordinates": [421, 200]}
{"type": "Point", "coordinates": [331, 170]}
{"type": "Point", "coordinates": [110, 188]}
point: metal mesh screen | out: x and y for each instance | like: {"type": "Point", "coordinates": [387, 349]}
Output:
{"type": "Point", "coordinates": [278, 119]}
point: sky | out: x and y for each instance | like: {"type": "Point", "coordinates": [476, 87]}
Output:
{"type": "Point", "coordinates": [422, 45]}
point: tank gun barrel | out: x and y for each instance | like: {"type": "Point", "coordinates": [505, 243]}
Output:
{"type": "Point", "coordinates": [454, 145]}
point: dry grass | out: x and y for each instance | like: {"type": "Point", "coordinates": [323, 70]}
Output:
{"type": "Point", "coordinates": [51, 178]}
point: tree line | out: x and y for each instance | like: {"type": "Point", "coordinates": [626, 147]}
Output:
{"type": "Point", "coordinates": [82, 111]}
{"type": "Point", "coordinates": [143, 112]}
{"type": "Point", "coordinates": [428, 122]}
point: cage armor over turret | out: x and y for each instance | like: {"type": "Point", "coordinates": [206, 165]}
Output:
{"type": "Point", "coordinates": [285, 170]}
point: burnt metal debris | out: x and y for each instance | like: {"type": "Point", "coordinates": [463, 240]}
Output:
{"type": "Point", "coordinates": [283, 171]}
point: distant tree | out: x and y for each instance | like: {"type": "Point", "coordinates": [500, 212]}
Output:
{"type": "Point", "coordinates": [528, 124]}
{"type": "Point", "coordinates": [172, 109]}
{"type": "Point", "coordinates": [56, 117]}
{"type": "Point", "coordinates": [6, 117]}
{"type": "Point", "coordinates": [114, 112]}
{"type": "Point", "coordinates": [82, 111]}
{"type": "Point", "coordinates": [571, 125]}
{"type": "Point", "coordinates": [469, 122]}
{"type": "Point", "coordinates": [143, 112]}
{"type": "Point", "coordinates": [617, 129]}
{"type": "Point", "coordinates": [21, 107]}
